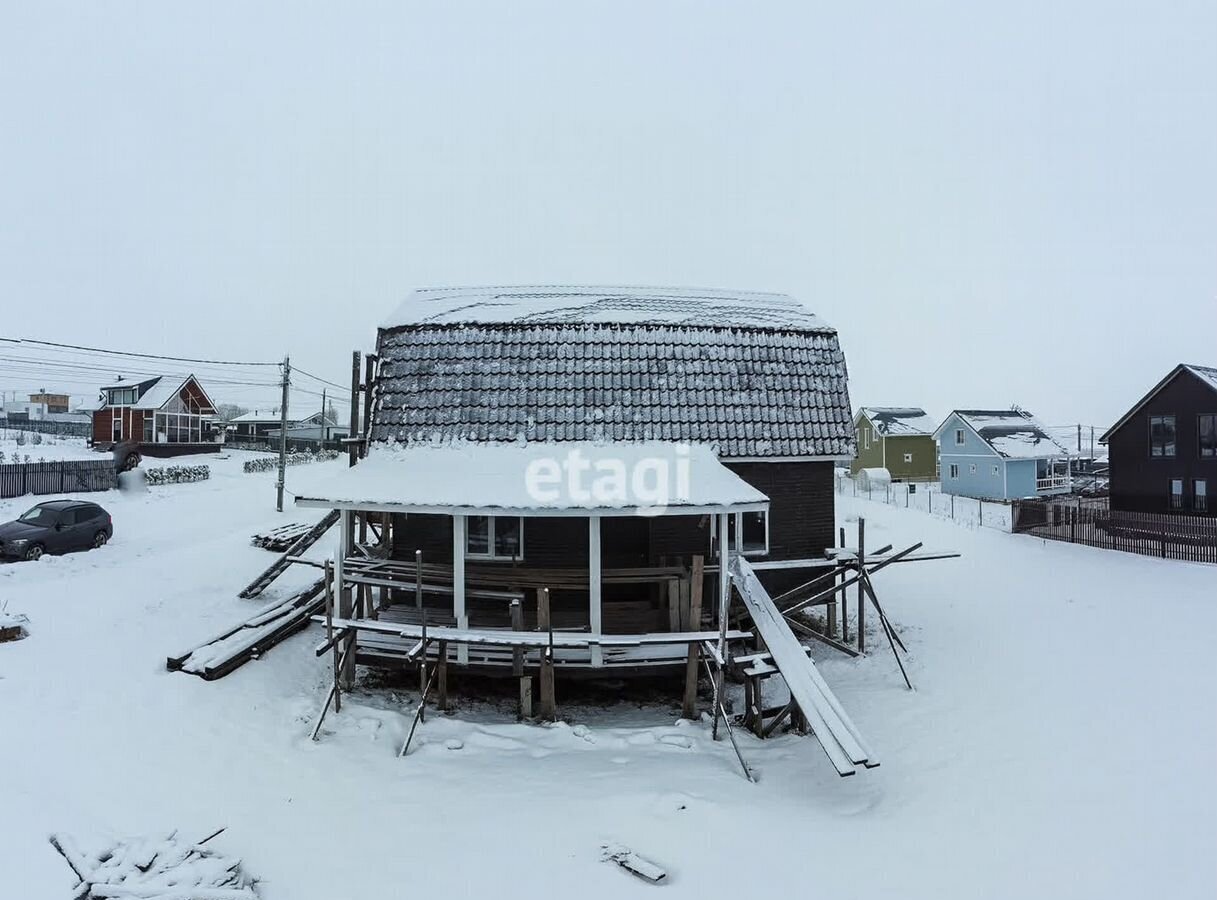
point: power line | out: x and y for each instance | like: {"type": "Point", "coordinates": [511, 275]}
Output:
{"type": "Point", "coordinates": [322, 380]}
{"type": "Point", "coordinates": [220, 362]}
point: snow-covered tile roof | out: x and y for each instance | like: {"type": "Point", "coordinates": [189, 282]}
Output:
{"type": "Point", "coordinates": [562, 304]}
{"type": "Point", "coordinates": [746, 392]}
{"type": "Point", "coordinates": [1013, 433]}
{"type": "Point", "coordinates": [899, 421]}
{"type": "Point", "coordinates": [537, 479]}
{"type": "Point", "coordinates": [1206, 374]}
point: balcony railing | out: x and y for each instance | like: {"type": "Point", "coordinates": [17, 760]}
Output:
{"type": "Point", "coordinates": [1052, 483]}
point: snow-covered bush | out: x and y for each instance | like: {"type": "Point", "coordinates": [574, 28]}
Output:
{"type": "Point", "coordinates": [268, 463]}
{"type": "Point", "coordinates": [177, 474]}
{"type": "Point", "coordinates": [20, 438]}
{"type": "Point", "coordinates": [35, 438]}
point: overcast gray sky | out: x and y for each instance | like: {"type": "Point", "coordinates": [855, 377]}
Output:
{"type": "Point", "coordinates": [994, 204]}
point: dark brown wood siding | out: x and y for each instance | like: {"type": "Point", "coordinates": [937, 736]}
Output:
{"type": "Point", "coordinates": [801, 524]}
{"type": "Point", "coordinates": [1140, 482]}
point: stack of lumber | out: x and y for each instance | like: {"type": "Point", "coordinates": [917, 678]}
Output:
{"type": "Point", "coordinates": [284, 562]}
{"type": "Point", "coordinates": [249, 639]}
{"type": "Point", "coordinates": [831, 726]}
{"type": "Point", "coordinates": [279, 539]}
{"type": "Point", "coordinates": [154, 868]}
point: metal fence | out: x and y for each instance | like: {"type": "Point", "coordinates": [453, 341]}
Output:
{"type": "Point", "coordinates": [62, 477]}
{"type": "Point", "coordinates": [1091, 522]}
{"type": "Point", "coordinates": [72, 429]}
{"type": "Point", "coordinates": [929, 498]}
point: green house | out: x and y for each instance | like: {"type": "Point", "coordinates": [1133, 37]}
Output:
{"type": "Point", "coordinates": [897, 438]}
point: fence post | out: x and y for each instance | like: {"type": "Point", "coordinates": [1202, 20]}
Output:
{"type": "Point", "coordinates": [952, 507]}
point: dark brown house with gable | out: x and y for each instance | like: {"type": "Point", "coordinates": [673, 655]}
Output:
{"type": "Point", "coordinates": [470, 384]}
{"type": "Point", "coordinates": [1163, 452]}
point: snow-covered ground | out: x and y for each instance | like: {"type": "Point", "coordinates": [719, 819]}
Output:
{"type": "Point", "coordinates": [1061, 741]}
{"type": "Point", "coordinates": [52, 447]}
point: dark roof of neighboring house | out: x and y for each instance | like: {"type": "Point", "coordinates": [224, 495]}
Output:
{"type": "Point", "coordinates": [1012, 433]}
{"type": "Point", "coordinates": [561, 373]}
{"type": "Point", "coordinates": [899, 421]}
{"type": "Point", "coordinates": [155, 392]}
{"type": "Point", "coordinates": [1206, 374]}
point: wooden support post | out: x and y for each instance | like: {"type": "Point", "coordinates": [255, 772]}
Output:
{"type": "Point", "coordinates": [689, 710]}
{"type": "Point", "coordinates": [423, 681]}
{"type": "Point", "coordinates": [343, 592]}
{"type": "Point", "coordinates": [595, 612]}
{"type": "Point", "coordinates": [353, 432]}
{"type": "Point", "coordinates": [844, 605]}
{"type": "Point", "coordinates": [418, 579]}
{"type": "Point", "coordinates": [517, 652]}
{"type": "Point", "coordinates": [441, 680]}
{"type": "Point", "coordinates": [369, 375]}
{"type": "Point", "coordinates": [548, 706]}
{"type": "Point", "coordinates": [458, 584]}
{"type": "Point", "coordinates": [861, 590]}
{"type": "Point", "coordinates": [724, 603]}
{"type": "Point", "coordinates": [525, 696]}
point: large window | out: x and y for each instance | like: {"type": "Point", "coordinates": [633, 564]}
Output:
{"type": "Point", "coordinates": [1176, 493]}
{"type": "Point", "coordinates": [753, 528]}
{"type": "Point", "coordinates": [954, 470]}
{"type": "Point", "coordinates": [1200, 495]}
{"type": "Point", "coordinates": [866, 438]}
{"type": "Point", "coordinates": [1161, 435]}
{"type": "Point", "coordinates": [494, 537]}
{"type": "Point", "coordinates": [1208, 436]}
{"type": "Point", "coordinates": [121, 397]}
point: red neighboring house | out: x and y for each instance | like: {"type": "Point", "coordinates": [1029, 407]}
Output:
{"type": "Point", "coordinates": [165, 415]}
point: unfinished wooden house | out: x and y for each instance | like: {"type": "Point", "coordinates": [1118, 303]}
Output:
{"type": "Point", "coordinates": [476, 388]}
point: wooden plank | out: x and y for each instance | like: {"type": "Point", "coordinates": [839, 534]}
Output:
{"type": "Point", "coordinates": [697, 582]}
{"type": "Point", "coordinates": [835, 733]}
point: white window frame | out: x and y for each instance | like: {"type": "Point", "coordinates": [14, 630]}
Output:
{"type": "Point", "coordinates": [738, 525]}
{"type": "Point", "coordinates": [972, 469]}
{"type": "Point", "coordinates": [953, 470]}
{"type": "Point", "coordinates": [866, 438]}
{"type": "Point", "coordinates": [908, 457]}
{"type": "Point", "coordinates": [959, 438]}
{"type": "Point", "coordinates": [490, 554]}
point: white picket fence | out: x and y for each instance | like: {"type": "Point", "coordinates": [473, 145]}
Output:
{"type": "Point", "coordinates": [927, 497]}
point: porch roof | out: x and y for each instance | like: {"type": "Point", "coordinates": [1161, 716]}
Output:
{"type": "Point", "coordinates": [540, 479]}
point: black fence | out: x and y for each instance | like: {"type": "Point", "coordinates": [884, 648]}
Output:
{"type": "Point", "coordinates": [294, 445]}
{"type": "Point", "coordinates": [1091, 522]}
{"type": "Point", "coordinates": [63, 477]}
{"type": "Point", "coordinates": [10, 427]}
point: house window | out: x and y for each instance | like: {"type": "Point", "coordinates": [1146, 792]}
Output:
{"type": "Point", "coordinates": [1176, 493]}
{"type": "Point", "coordinates": [1200, 495]}
{"type": "Point", "coordinates": [494, 537]}
{"type": "Point", "coordinates": [972, 469]}
{"type": "Point", "coordinates": [866, 438]}
{"type": "Point", "coordinates": [753, 526]}
{"type": "Point", "coordinates": [908, 457]}
{"type": "Point", "coordinates": [954, 470]}
{"type": "Point", "coordinates": [995, 472]}
{"type": "Point", "coordinates": [1208, 436]}
{"type": "Point", "coordinates": [959, 437]}
{"type": "Point", "coordinates": [1161, 435]}
{"type": "Point", "coordinates": [122, 397]}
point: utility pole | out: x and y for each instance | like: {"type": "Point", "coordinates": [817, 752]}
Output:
{"type": "Point", "coordinates": [324, 433]}
{"type": "Point", "coordinates": [287, 377]}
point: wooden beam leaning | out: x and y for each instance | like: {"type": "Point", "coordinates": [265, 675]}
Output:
{"type": "Point", "coordinates": [689, 706]}
{"type": "Point", "coordinates": [848, 582]}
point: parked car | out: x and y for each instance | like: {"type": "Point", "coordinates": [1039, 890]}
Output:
{"type": "Point", "coordinates": [58, 526]}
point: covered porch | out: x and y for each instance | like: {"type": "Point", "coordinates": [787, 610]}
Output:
{"type": "Point", "coordinates": [504, 573]}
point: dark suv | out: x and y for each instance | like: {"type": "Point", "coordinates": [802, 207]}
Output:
{"type": "Point", "coordinates": [56, 527]}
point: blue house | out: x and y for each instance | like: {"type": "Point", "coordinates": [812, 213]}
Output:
{"type": "Point", "coordinates": [1000, 454]}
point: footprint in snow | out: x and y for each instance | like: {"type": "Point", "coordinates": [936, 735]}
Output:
{"type": "Point", "coordinates": [676, 740]}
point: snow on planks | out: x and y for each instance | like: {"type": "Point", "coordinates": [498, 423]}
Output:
{"type": "Point", "coordinates": [283, 563]}
{"type": "Point", "coordinates": [829, 722]}
{"type": "Point", "coordinates": [279, 539]}
{"type": "Point", "coordinates": [232, 648]}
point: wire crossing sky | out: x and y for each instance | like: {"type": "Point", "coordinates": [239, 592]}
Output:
{"type": "Point", "coordinates": [994, 205]}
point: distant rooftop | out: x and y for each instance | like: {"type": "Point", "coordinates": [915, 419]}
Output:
{"type": "Point", "coordinates": [1013, 433]}
{"type": "Point", "coordinates": [573, 304]}
{"type": "Point", "coordinates": [899, 421]}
